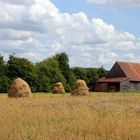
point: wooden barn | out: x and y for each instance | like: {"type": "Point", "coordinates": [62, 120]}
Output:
{"type": "Point", "coordinates": [123, 76]}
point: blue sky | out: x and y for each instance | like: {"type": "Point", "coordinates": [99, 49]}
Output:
{"type": "Point", "coordinates": [124, 18]}
{"type": "Point", "coordinates": [93, 33]}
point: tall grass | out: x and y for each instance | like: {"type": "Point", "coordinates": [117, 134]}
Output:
{"type": "Point", "coordinates": [63, 117]}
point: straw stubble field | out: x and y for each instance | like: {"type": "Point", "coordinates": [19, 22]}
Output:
{"type": "Point", "coordinates": [63, 117]}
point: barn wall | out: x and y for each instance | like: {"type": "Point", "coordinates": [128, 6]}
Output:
{"type": "Point", "coordinates": [135, 85]}
{"type": "Point", "coordinates": [113, 87]}
{"type": "Point", "coordinates": [101, 87]}
{"type": "Point", "coordinates": [125, 85]}
{"type": "Point", "coordinates": [107, 87]}
{"type": "Point", "coordinates": [116, 71]}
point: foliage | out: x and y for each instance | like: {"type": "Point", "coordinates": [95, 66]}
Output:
{"type": "Point", "coordinates": [23, 68]}
{"type": "Point", "coordinates": [80, 73]}
{"type": "Point", "coordinates": [63, 61]}
{"type": "Point", "coordinates": [43, 75]}
{"type": "Point", "coordinates": [90, 75]}
{"type": "Point", "coordinates": [2, 66]}
{"type": "Point", "coordinates": [48, 74]}
{"type": "Point", "coordinates": [19, 67]}
{"type": "Point", "coordinates": [101, 71]}
{"type": "Point", "coordinates": [5, 83]}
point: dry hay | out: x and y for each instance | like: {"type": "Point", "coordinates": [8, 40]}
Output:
{"type": "Point", "coordinates": [19, 88]}
{"type": "Point", "coordinates": [58, 88]}
{"type": "Point", "coordinates": [80, 88]}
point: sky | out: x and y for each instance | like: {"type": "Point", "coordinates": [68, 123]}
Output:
{"type": "Point", "coordinates": [93, 33]}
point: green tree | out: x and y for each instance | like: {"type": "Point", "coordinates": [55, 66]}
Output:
{"type": "Point", "coordinates": [5, 83]}
{"type": "Point", "coordinates": [80, 73]}
{"type": "Point", "coordinates": [48, 73]}
{"type": "Point", "coordinates": [63, 61]}
{"type": "Point", "coordinates": [42, 76]}
{"type": "Point", "coordinates": [92, 76]}
{"type": "Point", "coordinates": [2, 66]}
{"type": "Point", "coordinates": [23, 68]}
{"type": "Point", "coordinates": [101, 72]}
{"type": "Point", "coordinates": [64, 64]}
{"type": "Point", "coordinates": [4, 80]}
{"type": "Point", "coordinates": [18, 67]}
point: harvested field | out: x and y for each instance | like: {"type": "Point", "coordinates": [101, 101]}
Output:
{"type": "Point", "coordinates": [102, 116]}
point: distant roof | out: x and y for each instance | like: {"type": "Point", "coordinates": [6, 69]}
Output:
{"type": "Point", "coordinates": [112, 80]}
{"type": "Point", "coordinates": [132, 70]}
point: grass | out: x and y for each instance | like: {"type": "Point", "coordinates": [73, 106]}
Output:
{"type": "Point", "coordinates": [99, 116]}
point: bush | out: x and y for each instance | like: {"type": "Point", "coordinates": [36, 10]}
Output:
{"type": "Point", "coordinates": [5, 83]}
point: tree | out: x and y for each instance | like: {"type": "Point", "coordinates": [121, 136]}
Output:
{"type": "Point", "coordinates": [23, 68]}
{"type": "Point", "coordinates": [43, 75]}
{"type": "Point", "coordinates": [64, 64]}
{"type": "Point", "coordinates": [102, 72]}
{"type": "Point", "coordinates": [48, 73]}
{"type": "Point", "coordinates": [4, 80]}
{"type": "Point", "coordinates": [2, 66]}
{"type": "Point", "coordinates": [19, 67]}
{"type": "Point", "coordinates": [63, 61]}
{"type": "Point", "coordinates": [92, 76]}
{"type": "Point", "coordinates": [80, 73]}
{"type": "Point", "coordinates": [5, 83]}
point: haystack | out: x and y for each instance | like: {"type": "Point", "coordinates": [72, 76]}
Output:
{"type": "Point", "coordinates": [19, 88]}
{"type": "Point", "coordinates": [58, 88]}
{"type": "Point", "coordinates": [80, 88]}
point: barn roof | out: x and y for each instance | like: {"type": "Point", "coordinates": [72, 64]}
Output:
{"type": "Point", "coordinates": [132, 70]}
{"type": "Point", "coordinates": [112, 80]}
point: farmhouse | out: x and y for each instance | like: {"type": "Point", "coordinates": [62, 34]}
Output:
{"type": "Point", "coordinates": [123, 76]}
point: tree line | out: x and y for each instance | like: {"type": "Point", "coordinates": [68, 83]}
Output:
{"type": "Point", "coordinates": [43, 75]}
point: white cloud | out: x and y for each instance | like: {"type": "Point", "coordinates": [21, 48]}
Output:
{"type": "Point", "coordinates": [98, 1]}
{"type": "Point", "coordinates": [43, 9]}
{"type": "Point", "coordinates": [127, 2]}
{"type": "Point", "coordinates": [11, 13]}
{"type": "Point", "coordinates": [117, 2]}
{"type": "Point", "coordinates": [107, 58]}
{"type": "Point", "coordinates": [131, 57]}
{"type": "Point", "coordinates": [6, 34]}
{"type": "Point", "coordinates": [36, 29]}
{"type": "Point", "coordinates": [18, 2]}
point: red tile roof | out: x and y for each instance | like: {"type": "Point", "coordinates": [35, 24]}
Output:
{"type": "Point", "coordinates": [132, 70]}
{"type": "Point", "coordinates": [112, 80]}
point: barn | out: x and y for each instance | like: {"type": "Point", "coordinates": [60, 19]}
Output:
{"type": "Point", "coordinates": [123, 76]}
